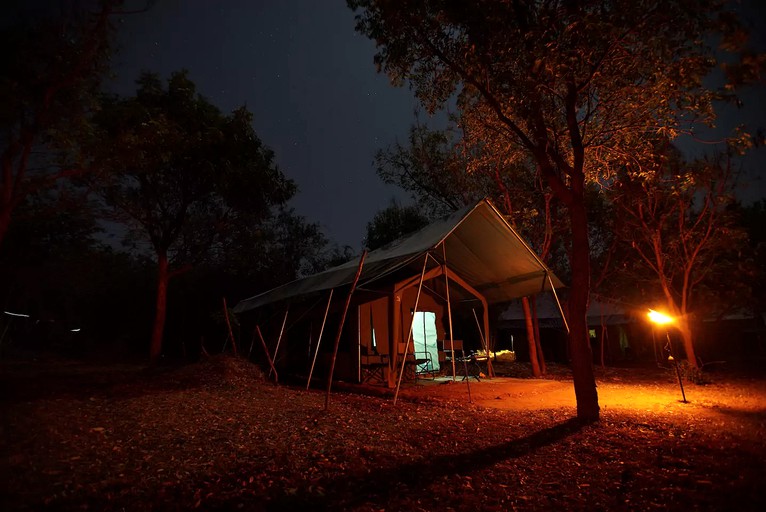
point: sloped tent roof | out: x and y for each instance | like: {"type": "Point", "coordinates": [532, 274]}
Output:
{"type": "Point", "coordinates": [549, 316]}
{"type": "Point", "coordinates": [481, 247]}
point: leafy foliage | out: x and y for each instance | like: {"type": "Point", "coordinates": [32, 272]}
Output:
{"type": "Point", "coordinates": [182, 170]}
{"type": "Point", "coordinates": [430, 168]}
{"type": "Point", "coordinates": [392, 223]}
{"type": "Point", "coordinates": [55, 62]}
{"type": "Point", "coordinates": [183, 176]}
{"type": "Point", "coordinates": [680, 221]}
{"type": "Point", "coordinates": [444, 174]}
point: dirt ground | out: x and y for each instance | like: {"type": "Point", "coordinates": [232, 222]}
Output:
{"type": "Point", "coordinates": [730, 401]}
{"type": "Point", "coordinates": [727, 402]}
{"type": "Point", "coordinates": [219, 436]}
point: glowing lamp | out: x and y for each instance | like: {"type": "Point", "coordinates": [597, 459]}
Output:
{"type": "Point", "coordinates": [662, 319]}
{"type": "Point", "coordinates": [659, 318]}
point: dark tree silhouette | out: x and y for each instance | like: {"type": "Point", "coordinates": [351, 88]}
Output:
{"type": "Point", "coordinates": [183, 175]}
{"type": "Point", "coordinates": [392, 223]}
{"type": "Point", "coordinates": [55, 59]}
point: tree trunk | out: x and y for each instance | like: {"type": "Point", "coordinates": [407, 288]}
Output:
{"type": "Point", "coordinates": [582, 356]}
{"type": "Point", "coordinates": [536, 321]}
{"type": "Point", "coordinates": [686, 336]}
{"type": "Point", "coordinates": [531, 337]}
{"type": "Point", "coordinates": [161, 307]}
{"type": "Point", "coordinates": [682, 324]}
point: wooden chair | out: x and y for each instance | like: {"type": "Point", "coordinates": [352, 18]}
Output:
{"type": "Point", "coordinates": [373, 368]}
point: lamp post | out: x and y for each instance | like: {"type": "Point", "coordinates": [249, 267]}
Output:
{"type": "Point", "coordinates": [662, 319]}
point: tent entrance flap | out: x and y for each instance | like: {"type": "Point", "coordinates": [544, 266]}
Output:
{"type": "Point", "coordinates": [424, 339]}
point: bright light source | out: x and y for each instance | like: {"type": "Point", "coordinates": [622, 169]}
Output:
{"type": "Point", "coordinates": [75, 330]}
{"type": "Point", "coordinates": [659, 318]}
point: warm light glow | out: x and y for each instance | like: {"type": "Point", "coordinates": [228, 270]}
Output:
{"type": "Point", "coordinates": [659, 318]}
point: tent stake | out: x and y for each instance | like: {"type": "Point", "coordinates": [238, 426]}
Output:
{"type": "Point", "coordinates": [268, 356]}
{"type": "Point", "coordinates": [409, 335]}
{"type": "Point", "coordinates": [319, 340]}
{"type": "Point", "coordinates": [340, 328]}
{"type": "Point", "coordinates": [279, 340]}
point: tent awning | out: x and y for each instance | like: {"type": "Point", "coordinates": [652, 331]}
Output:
{"type": "Point", "coordinates": [481, 247]}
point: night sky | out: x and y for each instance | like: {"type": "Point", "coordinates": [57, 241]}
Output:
{"type": "Point", "coordinates": [317, 99]}
{"type": "Point", "coordinates": [309, 80]}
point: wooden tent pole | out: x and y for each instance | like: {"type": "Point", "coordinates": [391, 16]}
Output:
{"type": "Point", "coordinates": [451, 338]}
{"type": "Point", "coordinates": [228, 324]}
{"type": "Point", "coordinates": [490, 368]}
{"type": "Point", "coordinates": [409, 335]}
{"type": "Point", "coordinates": [279, 340]}
{"type": "Point", "coordinates": [359, 343]}
{"type": "Point", "coordinates": [252, 343]}
{"type": "Point", "coordinates": [449, 314]}
{"type": "Point", "coordinates": [459, 280]}
{"type": "Point", "coordinates": [311, 341]}
{"type": "Point", "coordinates": [340, 328]}
{"type": "Point", "coordinates": [319, 340]}
{"type": "Point", "coordinates": [484, 344]}
{"type": "Point", "coordinates": [268, 356]}
{"type": "Point", "coordinates": [556, 296]}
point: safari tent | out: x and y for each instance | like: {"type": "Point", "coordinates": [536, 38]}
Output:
{"type": "Point", "coordinates": [402, 314]}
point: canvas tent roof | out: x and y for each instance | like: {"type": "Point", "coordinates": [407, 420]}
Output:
{"type": "Point", "coordinates": [481, 247]}
{"type": "Point", "coordinates": [549, 315]}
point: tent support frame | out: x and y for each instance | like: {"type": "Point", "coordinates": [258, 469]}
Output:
{"type": "Point", "coordinates": [409, 335]}
{"type": "Point", "coordinates": [319, 340]}
{"type": "Point", "coordinates": [558, 303]}
{"type": "Point", "coordinates": [449, 316]}
{"type": "Point", "coordinates": [279, 339]}
{"type": "Point", "coordinates": [484, 345]}
{"type": "Point", "coordinates": [268, 356]}
{"type": "Point", "coordinates": [340, 328]}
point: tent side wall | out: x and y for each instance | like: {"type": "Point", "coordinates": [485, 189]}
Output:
{"type": "Point", "coordinates": [373, 327]}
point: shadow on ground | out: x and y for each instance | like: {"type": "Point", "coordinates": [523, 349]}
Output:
{"type": "Point", "coordinates": [380, 486]}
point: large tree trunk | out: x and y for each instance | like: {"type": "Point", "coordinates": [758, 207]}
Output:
{"type": "Point", "coordinates": [681, 323]}
{"type": "Point", "coordinates": [163, 278]}
{"type": "Point", "coordinates": [686, 336]}
{"type": "Point", "coordinates": [531, 337]}
{"type": "Point", "coordinates": [582, 356]}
